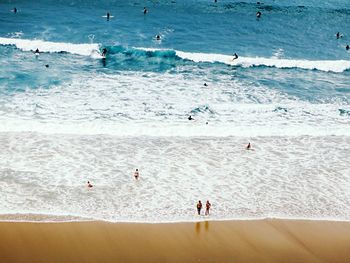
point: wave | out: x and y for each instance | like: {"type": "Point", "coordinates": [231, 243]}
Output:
{"type": "Point", "coordinates": [93, 50]}
{"type": "Point", "coordinates": [52, 47]}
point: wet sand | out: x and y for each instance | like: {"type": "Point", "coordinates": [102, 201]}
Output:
{"type": "Point", "coordinates": [228, 241]}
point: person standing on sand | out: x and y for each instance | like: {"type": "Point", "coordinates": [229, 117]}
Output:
{"type": "Point", "coordinates": [199, 207]}
{"type": "Point", "coordinates": [136, 174]}
{"type": "Point", "coordinates": [207, 207]}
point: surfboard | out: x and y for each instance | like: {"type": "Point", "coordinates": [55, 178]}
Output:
{"type": "Point", "coordinates": [106, 16]}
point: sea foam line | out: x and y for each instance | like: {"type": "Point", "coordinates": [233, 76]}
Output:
{"type": "Point", "coordinates": [52, 47]}
{"type": "Point", "coordinates": [93, 51]}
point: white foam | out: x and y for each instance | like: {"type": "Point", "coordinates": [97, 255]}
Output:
{"type": "Point", "coordinates": [46, 46]}
{"type": "Point", "coordinates": [282, 177]}
{"type": "Point", "coordinates": [323, 65]}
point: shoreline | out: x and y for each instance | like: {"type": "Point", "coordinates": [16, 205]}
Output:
{"type": "Point", "coordinates": [268, 240]}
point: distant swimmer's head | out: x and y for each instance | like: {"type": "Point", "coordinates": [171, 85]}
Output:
{"type": "Point", "coordinates": [205, 84]}
{"type": "Point", "coordinates": [158, 37]}
{"type": "Point", "coordinates": [347, 47]}
{"type": "Point", "coordinates": [258, 14]}
{"type": "Point", "coordinates": [47, 65]}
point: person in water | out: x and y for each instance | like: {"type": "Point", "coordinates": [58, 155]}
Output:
{"type": "Point", "coordinates": [108, 15]}
{"type": "Point", "coordinates": [207, 207]}
{"type": "Point", "coordinates": [37, 52]}
{"type": "Point", "coordinates": [15, 10]}
{"type": "Point", "coordinates": [205, 84]}
{"type": "Point", "coordinates": [199, 207]}
{"type": "Point", "coordinates": [104, 52]}
{"type": "Point", "coordinates": [258, 14]}
{"type": "Point", "coordinates": [248, 147]}
{"type": "Point", "coordinates": [347, 47]}
{"type": "Point", "coordinates": [235, 56]}
{"type": "Point", "coordinates": [89, 185]}
{"type": "Point", "coordinates": [145, 11]}
{"type": "Point", "coordinates": [136, 174]}
{"type": "Point", "coordinates": [338, 35]}
{"type": "Point", "coordinates": [158, 37]}
{"type": "Point", "coordinates": [190, 118]}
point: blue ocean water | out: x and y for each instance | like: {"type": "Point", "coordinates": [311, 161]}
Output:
{"type": "Point", "coordinates": [290, 82]}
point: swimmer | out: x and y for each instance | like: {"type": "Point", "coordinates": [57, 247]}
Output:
{"type": "Point", "coordinates": [136, 174]}
{"type": "Point", "coordinates": [248, 147]}
{"type": "Point", "coordinates": [199, 207]}
{"type": "Point", "coordinates": [158, 37]}
{"type": "Point", "coordinates": [47, 65]}
{"type": "Point", "coordinates": [235, 56]}
{"type": "Point", "coordinates": [207, 207]}
{"type": "Point", "coordinates": [190, 118]}
{"type": "Point", "coordinates": [258, 14]}
{"type": "Point", "coordinates": [104, 52]}
{"type": "Point", "coordinates": [145, 11]}
{"type": "Point", "coordinates": [347, 47]}
{"type": "Point", "coordinates": [15, 10]}
{"type": "Point", "coordinates": [89, 185]}
{"type": "Point", "coordinates": [205, 84]}
{"type": "Point", "coordinates": [108, 15]}
{"type": "Point", "coordinates": [36, 52]}
{"type": "Point", "coordinates": [338, 35]}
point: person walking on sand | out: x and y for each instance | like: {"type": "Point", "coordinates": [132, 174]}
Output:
{"type": "Point", "coordinates": [207, 207]}
{"type": "Point", "coordinates": [199, 207]}
{"type": "Point", "coordinates": [136, 174]}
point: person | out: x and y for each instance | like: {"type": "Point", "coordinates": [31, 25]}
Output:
{"type": "Point", "coordinates": [15, 10]}
{"type": "Point", "coordinates": [347, 47]}
{"type": "Point", "coordinates": [190, 118]}
{"type": "Point", "coordinates": [136, 174]}
{"type": "Point", "coordinates": [248, 146]}
{"type": "Point", "coordinates": [108, 15]}
{"type": "Point", "coordinates": [89, 185]}
{"type": "Point", "coordinates": [158, 37]}
{"type": "Point", "coordinates": [145, 10]}
{"type": "Point", "coordinates": [205, 84]}
{"type": "Point", "coordinates": [47, 65]}
{"type": "Point", "coordinates": [207, 207]}
{"type": "Point", "coordinates": [338, 35]}
{"type": "Point", "coordinates": [199, 207]}
{"type": "Point", "coordinates": [258, 14]}
{"type": "Point", "coordinates": [104, 52]}
{"type": "Point", "coordinates": [235, 56]}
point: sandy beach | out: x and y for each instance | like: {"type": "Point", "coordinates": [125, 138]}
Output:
{"type": "Point", "coordinates": [229, 241]}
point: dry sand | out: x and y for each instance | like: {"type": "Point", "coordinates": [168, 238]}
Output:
{"type": "Point", "coordinates": [230, 241]}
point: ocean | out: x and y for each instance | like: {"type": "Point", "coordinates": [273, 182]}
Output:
{"type": "Point", "coordinates": [69, 115]}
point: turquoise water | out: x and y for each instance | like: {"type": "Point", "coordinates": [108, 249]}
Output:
{"type": "Point", "coordinates": [291, 82]}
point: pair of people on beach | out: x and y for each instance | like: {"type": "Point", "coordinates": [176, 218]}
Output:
{"type": "Point", "coordinates": [207, 207]}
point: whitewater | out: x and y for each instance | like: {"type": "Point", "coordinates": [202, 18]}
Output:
{"type": "Point", "coordinates": [69, 115]}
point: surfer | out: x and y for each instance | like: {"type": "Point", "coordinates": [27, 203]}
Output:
{"type": "Point", "coordinates": [199, 207]}
{"type": "Point", "coordinates": [136, 174]}
{"type": "Point", "coordinates": [248, 147]}
{"type": "Point", "coordinates": [258, 14]}
{"type": "Point", "coordinates": [235, 56]}
{"type": "Point", "coordinates": [104, 52]}
{"type": "Point", "coordinates": [158, 37]}
{"type": "Point", "coordinates": [205, 84]}
{"type": "Point", "coordinates": [190, 118]}
{"type": "Point", "coordinates": [207, 207]}
{"type": "Point", "coordinates": [145, 11]}
{"type": "Point", "coordinates": [347, 47]}
{"type": "Point", "coordinates": [37, 52]}
{"type": "Point", "coordinates": [15, 10]}
{"type": "Point", "coordinates": [108, 15]}
{"type": "Point", "coordinates": [89, 185]}
{"type": "Point", "coordinates": [338, 35]}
